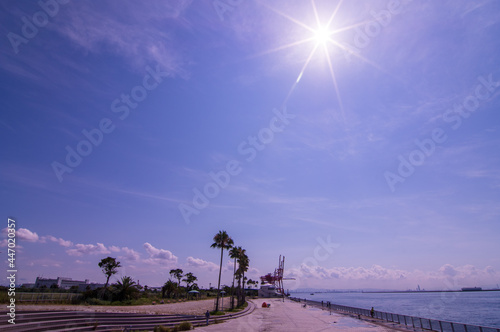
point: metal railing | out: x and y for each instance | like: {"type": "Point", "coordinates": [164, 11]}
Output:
{"type": "Point", "coordinates": [409, 321]}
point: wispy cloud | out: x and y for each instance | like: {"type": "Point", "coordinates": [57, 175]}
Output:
{"type": "Point", "coordinates": [130, 254]}
{"type": "Point", "coordinates": [59, 241]}
{"type": "Point", "coordinates": [92, 28]}
{"type": "Point", "coordinates": [88, 249]}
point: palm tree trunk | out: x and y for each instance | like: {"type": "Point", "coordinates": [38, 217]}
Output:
{"type": "Point", "coordinates": [218, 286]}
{"type": "Point", "coordinates": [243, 290]}
{"type": "Point", "coordinates": [239, 291]}
{"type": "Point", "coordinates": [232, 287]}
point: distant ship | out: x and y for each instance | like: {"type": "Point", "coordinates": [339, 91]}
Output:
{"type": "Point", "coordinates": [471, 289]}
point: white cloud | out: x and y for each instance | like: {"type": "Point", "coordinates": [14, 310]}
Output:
{"type": "Point", "coordinates": [200, 263]}
{"type": "Point", "coordinates": [446, 277]}
{"type": "Point", "coordinates": [448, 270]}
{"type": "Point", "coordinates": [130, 254]}
{"type": "Point", "coordinates": [490, 270]}
{"type": "Point", "coordinates": [114, 248]}
{"type": "Point", "coordinates": [159, 255]}
{"type": "Point", "coordinates": [88, 249]}
{"type": "Point", "coordinates": [229, 266]}
{"type": "Point", "coordinates": [25, 234]}
{"type": "Point", "coordinates": [59, 241]}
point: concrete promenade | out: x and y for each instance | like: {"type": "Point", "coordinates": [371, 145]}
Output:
{"type": "Point", "coordinates": [292, 316]}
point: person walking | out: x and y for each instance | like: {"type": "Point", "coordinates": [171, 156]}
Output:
{"type": "Point", "coordinates": [207, 316]}
{"type": "Point", "coordinates": [372, 312]}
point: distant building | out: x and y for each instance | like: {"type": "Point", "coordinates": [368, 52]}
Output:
{"type": "Point", "coordinates": [28, 285]}
{"type": "Point", "coordinates": [157, 289]}
{"type": "Point", "coordinates": [267, 290]}
{"type": "Point", "coordinates": [90, 286]}
{"type": "Point", "coordinates": [66, 283]}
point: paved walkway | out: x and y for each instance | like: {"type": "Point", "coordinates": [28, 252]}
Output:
{"type": "Point", "coordinates": [291, 316]}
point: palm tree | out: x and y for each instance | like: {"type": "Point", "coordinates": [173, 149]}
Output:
{"type": "Point", "coordinates": [239, 296]}
{"type": "Point", "coordinates": [243, 263]}
{"type": "Point", "coordinates": [234, 253]}
{"type": "Point", "coordinates": [251, 282]}
{"type": "Point", "coordinates": [222, 241]}
{"type": "Point", "coordinates": [126, 288]}
{"type": "Point", "coordinates": [168, 287]}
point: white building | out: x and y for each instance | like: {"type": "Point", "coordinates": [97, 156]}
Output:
{"type": "Point", "coordinates": [66, 283]}
{"type": "Point", "coordinates": [267, 290]}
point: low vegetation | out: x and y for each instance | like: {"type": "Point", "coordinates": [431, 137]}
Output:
{"type": "Point", "coordinates": [184, 326]}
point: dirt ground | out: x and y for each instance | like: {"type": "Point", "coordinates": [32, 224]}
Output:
{"type": "Point", "coordinates": [186, 308]}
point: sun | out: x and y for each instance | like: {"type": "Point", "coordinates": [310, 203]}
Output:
{"type": "Point", "coordinates": [322, 38]}
{"type": "Point", "coordinates": [322, 35]}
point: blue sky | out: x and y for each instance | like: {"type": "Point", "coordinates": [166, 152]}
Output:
{"type": "Point", "coordinates": [138, 131]}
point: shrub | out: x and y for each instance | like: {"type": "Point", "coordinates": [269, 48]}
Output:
{"type": "Point", "coordinates": [94, 301]}
{"type": "Point", "coordinates": [216, 313]}
{"type": "Point", "coordinates": [160, 328]}
{"type": "Point", "coordinates": [185, 326]}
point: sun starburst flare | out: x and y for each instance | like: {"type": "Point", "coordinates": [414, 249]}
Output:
{"type": "Point", "coordinates": [323, 37]}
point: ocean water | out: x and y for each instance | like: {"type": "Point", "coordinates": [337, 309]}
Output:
{"type": "Point", "coordinates": [476, 308]}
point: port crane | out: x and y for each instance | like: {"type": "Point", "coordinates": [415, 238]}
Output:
{"type": "Point", "coordinates": [276, 278]}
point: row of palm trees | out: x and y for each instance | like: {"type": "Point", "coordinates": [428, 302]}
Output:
{"type": "Point", "coordinates": [127, 288]}
{"type": "Point", "coordinates": [223, 242]}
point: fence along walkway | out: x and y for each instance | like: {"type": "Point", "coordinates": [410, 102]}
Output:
{"type": "Point", "coordinates": [410, 321]}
